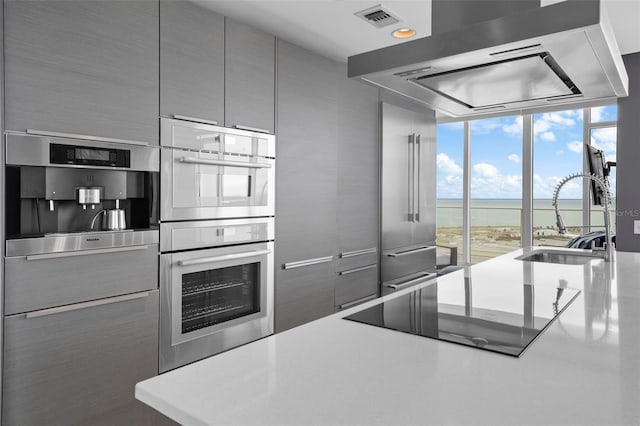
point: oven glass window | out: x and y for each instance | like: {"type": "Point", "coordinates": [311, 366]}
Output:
{"type": "Point", "coordinates": [217, 295]}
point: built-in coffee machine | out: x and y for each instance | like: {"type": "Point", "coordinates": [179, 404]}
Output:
{"type": "Point", "coordinates": [60, 186]}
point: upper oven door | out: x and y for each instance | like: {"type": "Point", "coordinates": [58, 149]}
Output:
{"type": "Point", "coordinates": [211, 172]}
{"type": "Point", "coordinates": [218, 289]}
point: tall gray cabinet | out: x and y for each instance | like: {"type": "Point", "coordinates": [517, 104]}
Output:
{"type": "Point", "coordinates": [306, 186]}
{"type": "Point", "coordinates": [82, 67]}
{"type": "Point", "coordinates": [327, 188]}
{"type": "Point", "coordinates": [191, 61]}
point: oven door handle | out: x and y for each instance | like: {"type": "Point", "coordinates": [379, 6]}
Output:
{"type": "Point", "coordinates": [226, 163]}
{"type": "Point", "coordinates": [214, 259]}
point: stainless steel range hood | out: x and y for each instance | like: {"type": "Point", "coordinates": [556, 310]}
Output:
{"type": "Point", "coordinates": [558, 54]}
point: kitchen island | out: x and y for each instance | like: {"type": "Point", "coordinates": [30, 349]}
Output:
{"type": "Point", "coordinates": [584, 369]}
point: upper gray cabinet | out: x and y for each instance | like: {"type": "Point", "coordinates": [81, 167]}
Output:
{"type": "Point", "coordinates": [191, 61]}
{"type": "Point", "coordinates": [82, 67]}
{"type": "Point", "coordinates": [249, 78]}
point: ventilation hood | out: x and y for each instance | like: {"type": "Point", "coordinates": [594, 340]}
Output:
{"type": "Point", "coordinates": [564, 53]}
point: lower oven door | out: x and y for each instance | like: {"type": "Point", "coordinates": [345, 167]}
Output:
{"type": "Point", "coordinates": [213, 300]}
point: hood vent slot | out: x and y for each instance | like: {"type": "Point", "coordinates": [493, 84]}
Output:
{"type": "Point", "coordinates": [563, 98]}
{"type": "Point", "coordinates": [518, 49]}
{"type": "Point", "coordinates": [378, 16]}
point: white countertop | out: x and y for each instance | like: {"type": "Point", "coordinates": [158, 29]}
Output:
{"type": "Point", "coordinates": [583, 370]}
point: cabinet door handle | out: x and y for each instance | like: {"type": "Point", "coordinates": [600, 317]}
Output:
{"type": "Point", "coordinates": [194, 119]}
{"type": "Point", "coordinates": [409, 282]}
{"type": "Point", "coordinates": [225, 163]}
{"type": "Point", "coordinates": [413, 251]}
{"type": "Point", "coordinates": [83, 252]}
{"type": "Point", "coordinates": [85, 305]}
{"type": "Point", "coordinates": [308, 262]}
{"type": "Point", "coordinates": [418, 177]}
{"type": "Point", "coordinates": [214, 259]}
{"type": "Point", "coordinates": [362, 252]}
{"type": "Point", "coordinates": [412, 177]}
{"type": "Point", "coordinates": [357, 301]}
{"type": "Point", "coordinates": [84, 137]}
{"type": "Point", "coordinates": [251, 129]}
{"type": "Point", "coordinates": [354, 270]}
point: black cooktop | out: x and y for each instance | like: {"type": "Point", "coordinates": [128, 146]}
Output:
{"type": "Point", "coordinates": [499, 318]}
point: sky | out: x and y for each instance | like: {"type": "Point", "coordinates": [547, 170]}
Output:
{"type": "Point", "coordinates": [496, 154]}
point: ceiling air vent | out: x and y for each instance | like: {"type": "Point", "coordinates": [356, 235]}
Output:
{"type": "Point", "coordinates": [378, 16]}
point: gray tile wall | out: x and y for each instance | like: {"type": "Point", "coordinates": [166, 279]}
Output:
{"type": "Point", "coordinates": [628, 157]}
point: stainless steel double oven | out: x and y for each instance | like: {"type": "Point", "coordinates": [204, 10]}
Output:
{"type": "Point", "coordinates": [216, 239]}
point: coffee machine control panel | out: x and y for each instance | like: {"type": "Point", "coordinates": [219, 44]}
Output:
{"type": "Point", "coordinates": [88, 156]}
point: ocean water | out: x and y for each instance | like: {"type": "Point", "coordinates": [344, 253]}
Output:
{"type": "Point", "coordinates": [508, 213]}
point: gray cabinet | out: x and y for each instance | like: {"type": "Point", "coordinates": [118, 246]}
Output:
{"type": "Point", "coordinates": [191, 61]}
{"type": "Point", "coordinates": [306, 186]}
{"type": "Point", "coordinates": [358, 192]}
{"type": "Point", "coordinates": [249, 77]}
{"type": "Point", "coordinates": [327, 188]}
{"type": "Point", "coordinates": [81, 67]}
{"type": "Point", "coordinates": [80, 366]}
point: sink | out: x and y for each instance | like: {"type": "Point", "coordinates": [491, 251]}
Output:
{"type": "Point", "coordinates": [561, 257]}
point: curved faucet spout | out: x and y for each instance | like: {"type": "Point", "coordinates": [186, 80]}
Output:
{"type": "Point", "coordinates": [607, 198]}
{"type": "Point", "coordinates": [93, 221]}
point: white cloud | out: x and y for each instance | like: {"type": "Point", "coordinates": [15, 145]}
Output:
{"type": "Point", "coordinates": [515, 128]}
{"type": "Point", "coordinates": [575, 146]}
{"type": "Point", "coordinates": [605, 139]}
{"type": "Point", "coordinates": [596, 114]}
{"type": "Point", "coordinates": [548, 121]}
{"type": "Point", "coordinates": [544, 186]}
{"type": "Point", "coordinates": [448, 165]}
{"type": "Point", "coordinates": [514, 157]}
{"type": "Point", "coordinates": [486, 170]}
{"type": "Point", "coordinates": [547, 136]}
{"type": "Point", "coordinates": [485, 125]}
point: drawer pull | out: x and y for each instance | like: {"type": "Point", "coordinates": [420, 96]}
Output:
{"type": "Point", "coordinates": [84, 137]}
{"type": "Point", "coordinates": [346, 254]}
{"type": "Point", "coordinates": [225, 163]}
{"type": "Point", "coordinates": [308, 262]}
{"type": "Point", "coordinates": [354, 270]}
{"type": "Point", "coordinates": [83, 252]}
{"type": "Point", "coordinates": [409, 252]}
{"type": "Point", "coordinates": [214, 259]}
{"type": "Point", "coordinates": [194, 119]}
{"type": "Point", "coordinates": [85, 305]}
{"type": "Point", "coordinates": [358, 301]}
{"type": "Point", "coordinates": [251, 129]}
{"type": "Point", "coordinates": [411, 281]}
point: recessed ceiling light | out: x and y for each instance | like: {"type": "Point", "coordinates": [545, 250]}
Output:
{"type": "Point", "coordinates": [404, 33]}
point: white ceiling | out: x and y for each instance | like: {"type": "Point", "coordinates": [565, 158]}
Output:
{"type": "Point", "coordinates": [329, 27]}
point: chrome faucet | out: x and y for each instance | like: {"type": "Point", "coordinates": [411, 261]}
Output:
{"type": "Point", "coordinates": [608, 249]}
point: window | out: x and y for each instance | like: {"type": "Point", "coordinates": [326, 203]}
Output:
{"type": "Point", "coordinates": [496, 186]}
{"type": "Point", "coordinates": [450, 158]}
{"type": "Point", "coordinates": [496, 180]}
{"type": "Point", "coordinates": [557, 152]}
{"type": "Point", "coordinates": [602, 130]}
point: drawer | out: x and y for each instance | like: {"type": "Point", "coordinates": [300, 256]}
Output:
{"type": "Point", "coordinates": [79, 364]}
{"type": "Point", "coordinates": [407, 261]}
{"type": "Point", "coordinates": [44, 281]}
{"type": "Point", "coordinates": [356, 258]}
{"type": "Point", "coordinates": [356, 285]}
